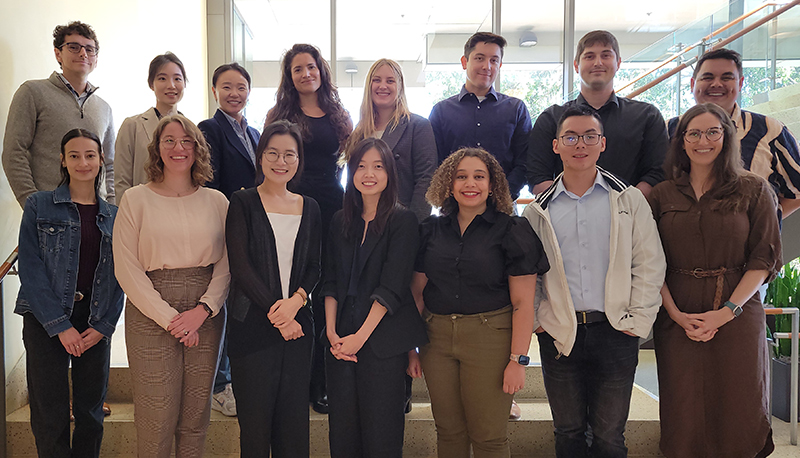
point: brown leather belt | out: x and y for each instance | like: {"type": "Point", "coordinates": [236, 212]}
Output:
{"type": "Point", "coordinates": [78, 296]}
{"type": "Point", "coordinates": [590, 317]}
{"type": "Point", "coordinates": [719, 274]}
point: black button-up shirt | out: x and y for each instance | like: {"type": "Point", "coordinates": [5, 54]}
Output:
{"type": "Point", "coordinates": [468, 274]}
{"type": "Point", "coordinates": [636, 141]}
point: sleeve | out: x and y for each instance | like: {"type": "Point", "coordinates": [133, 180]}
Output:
{"type": "Point", "coordinates": [654, 199]}
{"type": "Point", "coordinates": [123, 158]}
{"type": "Point", "coordinates": [208, 128]}
{"type": "Point", "coordinates": [524, 253]}
{"type": "Point", "coordinates": [785, 151]}
{"type": "Point", "coordinates": [764, 239]}
{"type": "Point", "coordinates": [20, 131]}
{"type": "Point", "coordinates": [399, 264]}
{"type": "Point", "coordinates": [648, 266]}
{"type": "Point", "coordinates": [313, 268]}
{"type": "Point", "coordinates": [129, 270]}
{"type": "Point", "coordinates": [426, 228]}
{"type": "Point", "coordinates": [442, 151]}
{"type": "Point", "coordinates": [109, 153]}
{"type": "Point", "coordinates": [44, 302]}
{"type": "Point", "coordinates": [654, 149]}
{"type": "Point", "coordinates": [330, 259]}
{"type": "Point", "coordinates": [217, 290]}
{"type": "Point", "coordinates": [519, 150]}
{"type": "Point", "coordinates": [423, 159]}
{"type": "Point", "coordinates": [242, 271]}
{"type": "Point", "coordinates": [542, 161]}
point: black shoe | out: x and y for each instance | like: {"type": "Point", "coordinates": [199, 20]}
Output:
{"type": "Point", "coordinates": [320, 405]}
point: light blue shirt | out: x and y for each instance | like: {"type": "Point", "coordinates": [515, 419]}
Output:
{"type": "Point", "coordinates": [241, 132]}
{"type": "Point", "coordinates": [583, 229]}
{"type": "Point", "coordinates": [81, 98]}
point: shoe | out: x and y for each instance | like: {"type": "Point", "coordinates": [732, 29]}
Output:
{"type": "Point", "coordinates": [320, 405]}
{"type": "Point", "coordinates": [224, 402]}
{"type": "Point", "coordinates": [515, 413]}
{"type": "Point", "coordinates": [106, 409]}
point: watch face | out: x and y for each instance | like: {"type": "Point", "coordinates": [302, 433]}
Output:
{"type": "Point", "coordinates": [524, 360]}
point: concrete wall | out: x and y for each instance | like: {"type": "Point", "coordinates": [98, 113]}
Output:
{"type": "Point", "coordinates": [131, 33]}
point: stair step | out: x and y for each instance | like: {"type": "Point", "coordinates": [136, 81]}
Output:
{"type": "Point", "coordinates": [531, 436]}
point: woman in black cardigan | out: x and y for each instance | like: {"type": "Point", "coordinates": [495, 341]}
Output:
{"type": "Point", "coordinates": [371, 318]}
{"type": "Point", "coordinates": [273, 238]}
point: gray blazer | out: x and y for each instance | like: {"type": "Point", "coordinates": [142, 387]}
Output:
{"type": "Point", "coordinates": [414, 151]}
{"type": "Point", "coordinates": [135, 134]}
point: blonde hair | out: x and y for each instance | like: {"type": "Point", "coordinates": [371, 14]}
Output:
{"type": "Point", "coordinates": [366, 126]}
{"type": "Point", "coordinates": [440, 192]}
{"type": "Point", "coordinates": [202, 172]}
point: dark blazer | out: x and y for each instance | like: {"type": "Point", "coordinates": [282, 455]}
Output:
{"type": "Point", "coordinates": [414, 149]}
{"type": "Point", "coordinates": [255, 278]}
{"type": "Point", "coordinates": [385, 276]}
{"type": "Point", "coordinates": [233, 169]}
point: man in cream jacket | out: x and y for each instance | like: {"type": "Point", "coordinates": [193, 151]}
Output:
{"type": "Point", "coordinates": [601, 294]}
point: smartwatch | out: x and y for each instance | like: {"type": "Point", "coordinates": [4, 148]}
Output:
{"type": "Point", "coordinates": [736, 309]}
{"type": "Point", "coordinates": [523, 360]}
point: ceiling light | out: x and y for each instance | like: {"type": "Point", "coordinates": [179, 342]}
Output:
{"type": "Point", "coordinates": [528, 39]}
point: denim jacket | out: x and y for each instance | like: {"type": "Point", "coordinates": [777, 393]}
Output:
{"type": "Point", "coordinates": [49, 248]}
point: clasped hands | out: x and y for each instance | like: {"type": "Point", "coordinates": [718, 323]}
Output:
{"type": "Point", "coordinates": [702, 327]}
{"type": "Point", "coordinates": [184, 326]}
{"type": "Point", "coordinates": [76, 343]}
{"type": "Point", "coordinates": [345, 348]}
{"type": "Point", "coordinates": [282, 314]}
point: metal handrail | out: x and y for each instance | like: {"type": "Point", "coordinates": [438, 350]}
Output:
{"type": "Point", "coordinates": [793, 366]}
{"type": "Point", "coordinates": [703, 40]}
{"type": "Point", "coordinates": [8, 263]}
{"type": "Point", "coordinates": [722, 43]}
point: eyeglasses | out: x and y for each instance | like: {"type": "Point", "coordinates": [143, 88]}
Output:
{"type": "Point", "coordinates": [713, 134]}
{"type": "Point", "coordinates": [289, 158]}
{"type": "Point", "coordinates": [75, 48]}
{"type": "Point", "coordinates": [588, 139]}
{"type": "Point", "coordinates": [169, 143]}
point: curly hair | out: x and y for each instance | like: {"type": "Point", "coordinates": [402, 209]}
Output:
{"type": "Point", "coordinates": [440, 192]}
{"type": "Point", "coordinates": [287, 103]}
{"type": "Point", "coordinates": [74, 28]}
{"type": "Point", "coordinates": [201, 168]}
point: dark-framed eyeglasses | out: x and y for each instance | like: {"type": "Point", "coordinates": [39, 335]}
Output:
{"type": "Point", "coordinates": [170, 143]}
{"type": "Point", "coordinates": [288, 157]}
{"type": "Point", "coordinates": [712, 134]}
{"type": "Point", "coordinates": [588, 139]}
{"type": "Point", "coordinates": [75, 48]}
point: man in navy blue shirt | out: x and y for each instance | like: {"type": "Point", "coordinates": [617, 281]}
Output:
{"type": "Point", "coordinates": [481, 117]}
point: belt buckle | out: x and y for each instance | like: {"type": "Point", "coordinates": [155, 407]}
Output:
{"type": "Point", "coordinates": [583, 317]}
{"type": "Point", "coordinates": [697, 272]}
{"type": "Point", "coordinates": [78, 296]}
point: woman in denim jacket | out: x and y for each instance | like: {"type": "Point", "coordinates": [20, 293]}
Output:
{"type": "Point", "coordinates": [69, 300]}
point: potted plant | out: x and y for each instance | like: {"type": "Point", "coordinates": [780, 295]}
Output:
{"type": "Point", "coordinates": [784, 291]}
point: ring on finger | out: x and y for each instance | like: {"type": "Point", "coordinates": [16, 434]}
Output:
{"type": "Point", "coordinates": [186, 333]}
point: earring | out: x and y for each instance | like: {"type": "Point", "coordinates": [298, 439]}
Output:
{"type": "Point", "coordinates": [490, 193]}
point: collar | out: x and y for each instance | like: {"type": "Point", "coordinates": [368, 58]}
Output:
{"type": "Point", "coordinates": [489, 215]}
{"type": "Point", "coordinates": [61, 195]}
{"type": "Point", "coordinates": [612, 181]}
{"type": "Point", "coordinates": [598, 181]}
{"type": "Point", "coordinates": [232, 120]}
{"type": "Point", "coordinates": [611, 99]}
{"type": "Point", "coordinates": [736, 116]}
{"type": "Point", "coordinates": [464, 93]}
{"type": "Point", "coordinates": [89, 88]}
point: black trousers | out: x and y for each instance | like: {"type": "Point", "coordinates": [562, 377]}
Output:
{"type": "Point", "coordinates": [271, 389]}
{"type": "Point", "coordinates": [367, 401]}
{"type": "Point", "coordinates": [48, 389]}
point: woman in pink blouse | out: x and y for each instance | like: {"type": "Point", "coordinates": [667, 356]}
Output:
{"type": "Point", "coordinates": [171, 261]}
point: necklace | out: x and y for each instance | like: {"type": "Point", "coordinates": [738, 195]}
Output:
{"type": "Point", "coordinates": [180, 193]}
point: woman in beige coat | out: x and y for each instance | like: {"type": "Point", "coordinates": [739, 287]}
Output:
{"type": "Point", "coordinates": [167, 79]}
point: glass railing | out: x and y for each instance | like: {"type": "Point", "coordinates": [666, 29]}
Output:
{"type": "Point", "coordinates": [771, 55]}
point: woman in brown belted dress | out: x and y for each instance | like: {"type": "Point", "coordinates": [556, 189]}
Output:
{"type": "Point", "coordinates": [720, 232]}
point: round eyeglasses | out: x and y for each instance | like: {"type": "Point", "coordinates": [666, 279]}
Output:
{"type": "Point", "coordinates": [75, 48]}
{"type": "Point", "coordinates": [713, 134]}
{"type": "Point", "coordinates": [588, 139]}
{"type": "Point", "coordinates": [170, 143]}
{"type": "Point", "coordinates": [289, 158]}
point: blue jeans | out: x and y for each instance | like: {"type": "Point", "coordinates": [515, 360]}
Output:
{"type": "Point", "coordinates": [48, 389]}
{"type": "Point", "coordinates": [589, 391]}
{"type": "Point", "coordinates": [223, 377]}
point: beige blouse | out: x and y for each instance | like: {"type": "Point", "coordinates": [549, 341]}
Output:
{"type": "Point", "coordinates": [153, 232]}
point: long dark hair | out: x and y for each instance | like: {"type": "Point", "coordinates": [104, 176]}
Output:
{"type": "Point", "coordinates": [81, 133]}
{"type": "Point", "coordinates": [280, 127]}
{"type": "Point", "coordinates": [726, 171]}
{"type": "Point", "coordinates": [353, 204]}
{"type": "Point", "coordinates": [287, 104]}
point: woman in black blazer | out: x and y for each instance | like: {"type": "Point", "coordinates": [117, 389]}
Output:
{"type": "Point", "coordinates": [385, 115]}
{"type": "Point", "coordinates": [273, 238]}
{"type": "Point", "coordinates": [371, 318]}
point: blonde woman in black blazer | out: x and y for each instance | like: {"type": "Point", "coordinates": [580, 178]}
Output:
{"type": "Point", "coordinates": [385, 115]}
{"type": "Point", "coordinates": [372, 321]}
{"type": "Point", "coordinates": [273, 238]}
